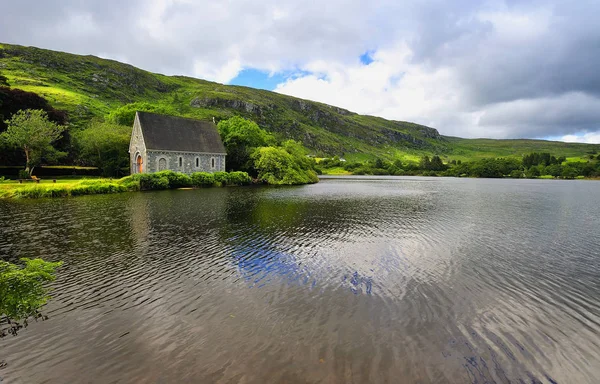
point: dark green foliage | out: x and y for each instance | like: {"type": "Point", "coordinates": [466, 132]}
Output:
{"type": "Point", "coordinates": [22, 291]}
{"type": "Point", "coordinates": [277, 166]}
{"type": "Point", "coordinates": [105, 146]}
{"type": "Point", "coordinates": [220, 177]}
{"type": "Point", "coordinates": [569, 172]}
{"type": "Point", "coordinates": [176, 179]}
{"type": "Point", "coordinates": [238, 178]}
{"type": "Point", "coordinates": [14, 100]}
{"type": "Point", "coordinates": [544, 159]}
{"type": "Point", "coordinates": [241, 137]}
{"type": "Point", "coordinates": [151, 181]}
{"type": "Point", "coordinates": [33, 133]}
{"type": "Point", "coordinates": [126, 114]}
{"type": "Point", "coordinates": [435, 164]}
{"type": "Point", "coordinates": [517, 174]}
{"type": "Point", "coordinates": [203, 179]}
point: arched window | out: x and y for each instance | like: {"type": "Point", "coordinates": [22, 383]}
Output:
{"type": "Point", "coordinates": [212, 162]}
{"type": "Point", "coordinates": [180, 161]}
{"type": "Point", "coordinates": [162, 164]}
{"type": "Point", "coordinates": [197, 162]}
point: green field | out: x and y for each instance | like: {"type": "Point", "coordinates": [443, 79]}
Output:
{"type": "Point", "coordinates": [89, 87]}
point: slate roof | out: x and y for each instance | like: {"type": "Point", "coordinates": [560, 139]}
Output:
{"type": "Point", "coordinates": [170, 133]}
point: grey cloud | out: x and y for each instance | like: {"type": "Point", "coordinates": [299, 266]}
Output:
{"type": "Point", "coordinates": [537, 86]}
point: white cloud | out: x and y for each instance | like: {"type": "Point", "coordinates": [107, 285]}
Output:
{"type": "Point", "coordinates": [591, 138]}
{"type": "Point", "coordinates": [468, 68]}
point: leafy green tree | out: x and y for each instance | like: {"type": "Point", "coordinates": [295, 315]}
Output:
{"type": "Point", "coordinates": [569, 172]}
{"type": "Point", "coordinates": [22, 291]}
{"type": "Point", "coordinates": [554, 170]}
{"type": "Point", "coordinates": [105, 145]}
{"type": "Point", "coordinates": [532, 172]}
{"type": "Point", "coordinates": [436, 164]}
{"type": "Point", "coordinates": [125, 115]}
{"type": "Point", "coordinates": [241, 137]}
{"type": "Point", "coordinates": [277, 166]}
{"type": "Point", "coordinates": [31, 131]}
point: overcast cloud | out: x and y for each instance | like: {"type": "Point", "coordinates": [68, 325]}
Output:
{"type": "Point", "coordinates": [503, 69]}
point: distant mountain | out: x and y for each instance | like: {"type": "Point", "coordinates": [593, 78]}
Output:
{"type": "Point", "coordinates": [89, 87]}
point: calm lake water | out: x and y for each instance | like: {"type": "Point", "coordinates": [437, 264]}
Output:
{"type": "Point", "coordinates": [352, 280]}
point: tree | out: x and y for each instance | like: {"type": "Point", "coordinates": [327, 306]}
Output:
{"type": "Point", "coordinates": [22, 293]}
{"type": "Point", "coordinates": [436, 164]}
{"type": "Point", "coordinates": [31, 131]}
{"type": "Point", "coordinates": [275, 165]}
{"type": "Point", "coordinates": [241, 137]}
{"type": "Point", "coordinates": [14, 100]}
{"type": "Point", "coordinates": [125, 115]}
{"type": "Point", "coordinates": [105, 146]}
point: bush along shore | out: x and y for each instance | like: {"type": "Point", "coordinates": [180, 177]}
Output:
{"type": "Point", "coordinates": [139, 182]}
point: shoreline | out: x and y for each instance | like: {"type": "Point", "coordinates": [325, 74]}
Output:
{"type": "Point", "coordinates": [164, 180]}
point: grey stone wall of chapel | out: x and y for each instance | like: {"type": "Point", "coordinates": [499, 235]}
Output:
{"type": "Point", "coordinates": [137, 147]}
{"type": "Point", "coordinates": [171, 160]}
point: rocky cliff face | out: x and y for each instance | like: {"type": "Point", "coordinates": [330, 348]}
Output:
{"type": "Point", "coordinates": [332, 119]}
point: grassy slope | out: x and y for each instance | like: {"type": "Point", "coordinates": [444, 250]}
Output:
{"type": "Point", "coordinates": [88, 87]}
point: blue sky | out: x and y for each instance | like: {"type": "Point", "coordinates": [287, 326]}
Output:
{"type": "Point", "coordinates": [501, 69]}
{"type": "Point", "coordinates": [258, 79]}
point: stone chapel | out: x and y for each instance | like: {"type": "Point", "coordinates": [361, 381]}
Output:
{"type": "Point", "coordinates": [161, 142]}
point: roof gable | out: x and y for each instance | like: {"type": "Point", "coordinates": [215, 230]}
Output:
{"type": "Point", "coordinates": [170, 133]}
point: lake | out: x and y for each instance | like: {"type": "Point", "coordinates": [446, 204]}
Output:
{"type": "Point", "coordinates": [352, 280]}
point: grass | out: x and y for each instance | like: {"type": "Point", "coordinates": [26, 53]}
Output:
{"type": "Point", "coordinates": [89, 87]}
{"type": "Point", "coordinates": [162, 180]}
{"type": "Point", "coordinates": [62, 188]}
{"type": "Point", "coordinates": [336, 171]}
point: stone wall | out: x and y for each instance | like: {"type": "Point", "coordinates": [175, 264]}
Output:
{"type": "Point", "coordinates": [190, 162]}
{"type": "Point", "coordinates": [137, 148]}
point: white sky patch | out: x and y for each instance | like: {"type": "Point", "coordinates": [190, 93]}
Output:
{"type": "Point", "coordinates": [591, 138]}
{"type": "Point", "coordinates": [223, 74]}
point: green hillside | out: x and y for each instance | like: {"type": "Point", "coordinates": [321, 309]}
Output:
{"type": "Point", "coordinates": [88, 87]}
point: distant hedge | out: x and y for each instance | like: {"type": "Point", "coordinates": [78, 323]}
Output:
{"type": "Point", "coordinates": [13, 171]}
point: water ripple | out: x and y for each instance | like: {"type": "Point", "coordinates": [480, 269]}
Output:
{"type": "Point", "coordinates": [350, 280]}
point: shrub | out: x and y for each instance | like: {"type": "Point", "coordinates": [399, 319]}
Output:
{"type": "Point", "coordinates": [238, 178]}
{"type": "Point", "coordinates": [220, 178]}
{"type": "Point", "coordinates": [176, 179]}
{"type": "Point", "coordinates": [516, 174]}
{"type": "Point", "coordinates": [203, 179]}
{"type": "Point", "coordinates": [152, 181]}
{"type": "Point", "coordinates": [23, 174]}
